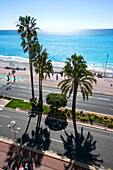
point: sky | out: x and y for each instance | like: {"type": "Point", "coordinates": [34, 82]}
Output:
{"type": "Point", "coordinates": [58, 14]}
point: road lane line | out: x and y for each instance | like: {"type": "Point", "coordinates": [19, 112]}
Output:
{"type": "Point", "coordinates": [110, 109]}
{"type": "Point", "coordinates": [20, 86]}
{"type": "Point", "coordinates": [56, 140]}
{"type": "Point", "coordinates": [15, 131]}
{"type": "Point", "coordinates": [103, 98]}
{"type": "Point", "coordinates": [110, 104]}
{"type": "Point", "coordinates": [1, 125]}
{"type": "Point", "coordinates": [5, 116]}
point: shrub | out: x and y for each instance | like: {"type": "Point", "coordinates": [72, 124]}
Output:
{"type": "Point", "coordinates": [100, 118]}
{"type": "Point", "coordinates": [69, 114]}
{"type": "Point", "coordinates": [92, 115]}
{"type": "Point", "coordinates": [34, 103]}
{"type": "Point", "coordinates": [1, 96]}
{"type": "Point", "coordinates": [110, 125]}
{"type": "Point", "coordinates": [105, 117]}
{"type": "Point", "coordinates": [56, 100]}
{"type": "Point", "coordinates": [111, 118]}
{"type": "Point", "coordinates": [6, 97]}
{"type": "Point", "coordinates": [107, 120]}
{"type": "Point", "coordinates": [84, 119]}
{"type": "Point", "coordinates": [81, 112]}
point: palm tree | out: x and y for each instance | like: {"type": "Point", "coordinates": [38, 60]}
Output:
{"type": "Point", "coordinates": [43, 68]}
{"type": "Point", "coordinates": [77, 76]}
{"type": "Point", "coordinates": [28, 31]}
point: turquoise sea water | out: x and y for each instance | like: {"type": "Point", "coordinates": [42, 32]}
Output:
{"type": "Point", "coordinates": [93, 45]}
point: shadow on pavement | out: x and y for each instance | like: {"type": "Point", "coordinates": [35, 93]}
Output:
{"type": "Point", "coordinates": [55, 124]}
{"type": "Point", "coordinates": [39, 139]}
{"type": "Point", "coordinates": [79, 148]}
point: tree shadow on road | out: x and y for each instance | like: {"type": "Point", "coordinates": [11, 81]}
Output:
{"type": "Point", "coordinates": [55, 123]}
{"type": "Point", "coordinates": [80, 148]}
{"type": "Point", "coordinates": [40, 139]}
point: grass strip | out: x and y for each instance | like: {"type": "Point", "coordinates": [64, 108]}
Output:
{"type": "Point", "coordinates": [14, 103]}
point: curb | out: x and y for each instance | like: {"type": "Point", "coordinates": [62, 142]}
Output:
{"type": "Point", "coordinates": [54, 156]}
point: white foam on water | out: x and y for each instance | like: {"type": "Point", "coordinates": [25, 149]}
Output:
{"type": "Point", "coordinates": [94, 67]}
{"type": "Point", "coordinates": [14, 58]}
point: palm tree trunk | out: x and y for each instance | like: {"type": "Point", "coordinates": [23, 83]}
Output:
{"type": "Point", "coordinates": [40, 94]}
{"type": "Point", "coordinates": [74, 110]}
{"type": "Point", "coordinates": [31, 71]}
{"type": "Point", "coordinates": [31, 74]}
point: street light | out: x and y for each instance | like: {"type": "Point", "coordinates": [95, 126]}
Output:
{"type": "Point", "coordinates": [11, 128]}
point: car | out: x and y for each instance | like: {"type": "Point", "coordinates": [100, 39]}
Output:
{"type": "Point", "coordinates": [99, 75]}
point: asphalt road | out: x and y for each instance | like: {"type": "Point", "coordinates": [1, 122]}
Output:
{"type": "Point", "coordinates": [97, 103]}
{"type": "Point", "coordinates": [104, 138]}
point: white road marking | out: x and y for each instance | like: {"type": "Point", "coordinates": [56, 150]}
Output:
{"type": "Point", "coordinates": [56, 140]}
{"type": "Point", "coordinates": [15, 131]}
{"type": "Point", "coordinates": [110, 104]}
{"type": "Point", "coordinates": [1, 125]}
{"type": "Point", "coordinates": [107, 89]}
{"type": "Point", "coordinates": [110, 109]}
{"type": "Point", "coordinates": [103, 98]}
{"type": "Point", "coordinates": [22, 87]}
{"type": "Point", "coordinates": [5, 116]}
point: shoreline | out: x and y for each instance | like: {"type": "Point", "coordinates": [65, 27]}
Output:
{"type": "Point", "coordinates": [25, 64]}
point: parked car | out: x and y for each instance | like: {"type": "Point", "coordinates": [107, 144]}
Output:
{"type": "Point", "coordinates": [99, 75]}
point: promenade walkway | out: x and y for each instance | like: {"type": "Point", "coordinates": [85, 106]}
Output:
{"type": "Point", "coordinates": [103, 86]}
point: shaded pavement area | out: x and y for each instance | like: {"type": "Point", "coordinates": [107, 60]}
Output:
{"type": "Point", "coordinates": [47, 163]}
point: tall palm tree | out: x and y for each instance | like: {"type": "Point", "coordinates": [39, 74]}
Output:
{"type": "Point", "coordinates": [77, 76]}
{"type": "Point", "coordinates": [28, 31]}
{"type": "Point", "coordinates": [43, 68]}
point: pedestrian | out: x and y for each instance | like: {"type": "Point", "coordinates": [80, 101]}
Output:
{"type": "Point", "coordinates": [26, 166]}
{"type": "Point", "coordinates": [52, 73]}
{"type": "Point", "coordinates": [7, 77]}
{"type": "Point", "coordinates": [14, 78]}
{"type": "Point", "coordinates": [31, 167]}
{"type": "Point", "coordinates": [57, 77]}
{"type": "Point", "coordinates": [21, 167]}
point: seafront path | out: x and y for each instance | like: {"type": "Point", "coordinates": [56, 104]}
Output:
{"type": "Point", "coordinates": [103, 86]}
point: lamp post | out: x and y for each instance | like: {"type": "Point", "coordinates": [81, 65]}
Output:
{"type": "Point", "coordinates": [12, 128]}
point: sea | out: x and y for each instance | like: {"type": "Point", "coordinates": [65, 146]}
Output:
{"type": "Point", "coordinates": [95, 45]}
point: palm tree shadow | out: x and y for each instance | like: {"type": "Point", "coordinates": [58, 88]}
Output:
{"type": "Point", "coordinates": [79, 148]}
{"type": "Point", "coordinates": [56, 124]}
{"type": "Point", "coordinates": [39, 139]}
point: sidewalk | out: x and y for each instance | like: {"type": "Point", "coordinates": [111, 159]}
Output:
{"type": "Point", "coordinates": [103, 85]}
{"type": "Point", "coordinates": [49, 161]}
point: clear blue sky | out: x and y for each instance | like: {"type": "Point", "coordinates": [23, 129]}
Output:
{"type": "Point", "coordinates": [58, 14]}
